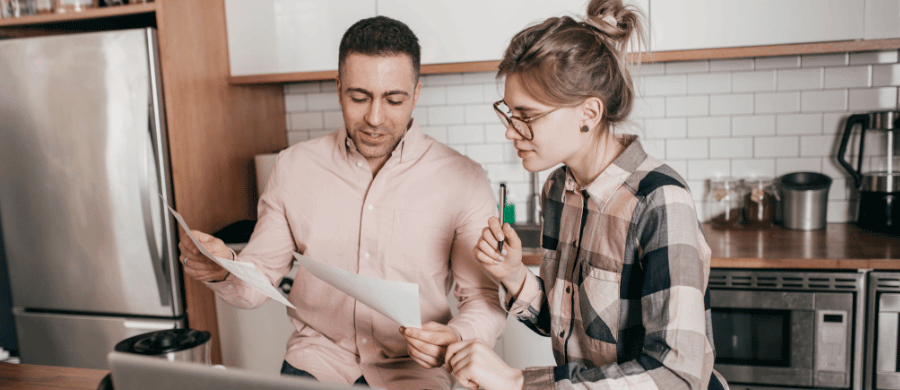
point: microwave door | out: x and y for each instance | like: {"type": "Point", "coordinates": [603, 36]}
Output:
{"type": "Point", "coordinates": [887, 372]}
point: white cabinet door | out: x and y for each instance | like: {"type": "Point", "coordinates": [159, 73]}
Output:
{"type": "Point", "coordinates": [703, 24]}
{"type": "Point", "coordinates": [285, 36]}
{"type": "Point", "coordinates": [882, 19]}
{"type": "Point", "coordinates": [471, 30]}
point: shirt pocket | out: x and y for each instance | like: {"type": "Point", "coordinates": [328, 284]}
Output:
{"type": "Point", "coordinates": [599, 305]}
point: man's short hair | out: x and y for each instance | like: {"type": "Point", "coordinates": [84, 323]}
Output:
{"type": "Point", "coordinates": [379, 36]}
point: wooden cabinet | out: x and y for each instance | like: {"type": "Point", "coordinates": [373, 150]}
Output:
{"type": "Point", "coordinates": [214, 128]}
{"type": "Point", "coordinates": [705, 24]}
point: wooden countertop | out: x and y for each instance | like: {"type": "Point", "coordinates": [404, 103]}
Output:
{"type": "Point", "coordinates": [36, 377]}
{"type": "Point", "coordinates": [838, 246]}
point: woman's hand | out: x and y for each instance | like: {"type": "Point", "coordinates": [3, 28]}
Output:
{"type": "Point", "coordinates": [475, 364]}
{"type": "Point", "coordinates": [505, 266]}
{"type": "Point", "coordinates": [198, 266]}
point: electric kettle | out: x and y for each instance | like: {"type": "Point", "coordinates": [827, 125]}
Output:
{"type": "Point", "coordinates": [876, 174]}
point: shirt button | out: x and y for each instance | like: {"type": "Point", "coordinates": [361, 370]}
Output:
{"type": "Point", "coordinates": [562, 334]}
{"type": "Point", "coordinates": [371, 207]}
{"type": "Point", "coordinates": [568, 289]}
{"type": "Point", "coordinates": [367, 255]}
{"type": "Point", "coordinates": [359, 164]}
{"type": "Point", "coordinates": [365, 340]}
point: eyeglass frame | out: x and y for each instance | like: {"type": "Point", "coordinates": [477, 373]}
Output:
{"type": "Point", "coordinates": [508, 119]}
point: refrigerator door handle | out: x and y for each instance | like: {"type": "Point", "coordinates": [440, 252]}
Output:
{"type": "Point", "coordinates": [157, 260]}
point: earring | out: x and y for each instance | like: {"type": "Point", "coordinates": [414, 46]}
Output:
{"type": "Point", "coordinates": [585, 129]}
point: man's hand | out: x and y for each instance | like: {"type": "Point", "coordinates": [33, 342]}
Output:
{"type": "Point", "coordinates": [198, 266]}
{"type": "Point", "coordinates": [475, 365]}
{"type": "Point", "coordinates": [427, 346]}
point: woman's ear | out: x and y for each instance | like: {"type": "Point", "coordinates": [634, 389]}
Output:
{"type": "Point", "coordinates": [592, 110]}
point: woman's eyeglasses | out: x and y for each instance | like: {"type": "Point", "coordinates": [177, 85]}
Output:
{"type": "Point", "coordinates": [521, 125]}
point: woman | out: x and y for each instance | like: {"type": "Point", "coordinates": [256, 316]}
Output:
{"type": "Point", "coordinates": [625, 266]}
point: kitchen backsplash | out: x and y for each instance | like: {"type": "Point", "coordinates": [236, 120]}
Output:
{"type": "Point", "coordinates": [747, 117]}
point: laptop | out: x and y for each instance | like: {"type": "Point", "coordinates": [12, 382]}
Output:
{"type": "Point", "coordinates": [138, 372]}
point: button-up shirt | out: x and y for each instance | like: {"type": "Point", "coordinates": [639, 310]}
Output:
{"type": "Point", "coordinates": [623, 281]}
{"type": "Point", "coordinates": [416, 221]}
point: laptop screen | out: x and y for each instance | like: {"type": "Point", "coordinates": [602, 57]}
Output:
{"type": "Point", "coordinates": [138, 372]}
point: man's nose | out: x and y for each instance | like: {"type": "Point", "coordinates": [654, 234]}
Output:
{"type": "Point", "coordinates": [375, 115]}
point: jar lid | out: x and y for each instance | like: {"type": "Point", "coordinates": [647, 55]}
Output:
{"type": "Point", "coordinates": [758, 182]}
{"type": "Point", "coordinates": [163, 341]}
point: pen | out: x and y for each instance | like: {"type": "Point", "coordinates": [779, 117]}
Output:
{"type": "Point", "coordinates": [502, 209]}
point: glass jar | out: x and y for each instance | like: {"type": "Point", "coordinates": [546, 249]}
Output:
{"type": "Point", "coordinates": [63, 6]}
{"type": "Point", "coordinates": [759, 202]}
{"type": "Point", "coordinates": [724, 202]}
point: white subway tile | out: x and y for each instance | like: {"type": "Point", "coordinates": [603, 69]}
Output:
{"type": "Point", "coordinates": [679, 166]}
{"type": "Point", "coordinates": [465, 94]}
{"type": "Point", "coordinates": [813, 60]}
{"type": "Point", "coordinates": [461, 148]}
{"type": "Point", "coordinates": [833, 122]}
{"type": "Point", "coordinates": [756, 167]}
{"type": "Point", "coordinates": [790, 165]}
{"type": "Point", "coordinates": [848, 77]}
{"type": "Point", "coordinates": [698, 190]}
{"type": "Point", "coordinates": [834, 170]}
{"type": "Point", "coordinates": [687, 148]}
{"type": "Point", "coordinates": [818, 146]}
{"type": "Point", "coordinates": [480, 113]}
{"type": "Point", "coordinates": [294, 137]}
{"type": "Point", "coordinates": [495, 133]}
{"type": "Point", "coordinates": [666, 128]}
{"type": "Point", "coordinates": [466, 134]}
{"type": "Point", "coordinates": [649, 107]}
{"type": "Point", "coordinates": [492, 92]}
{"type": "Point", "coordinates": [322, 101]}
{"type": "Point", "coordinates": [705, 83]}
{"type": "Point", "coordinates": [839, 189]}
{"type": "Point", "coordinates": [420, 115]}
{"type": "Point", "coordinates": [677, 67]}
{"type": "Point", "coordinates": [304, 87]}
{"type": "Point", "coordinates": [734, 147]}
{"type": "Point", "coordinates": [432, 96]}
{"type": "Point", "coordinates": [776, 147]}
{"type": "Point", "coordinates": [770, 103]}
{"type": "Point", "coordinates": [777, 62]}
{"type": "Point", "coordinates": [655, 147]}
{"type": "Point", "coordinates": [841, 211]}
{"type": "Point", "coordinates": [873, 99]}
{"type": "Point", "coordinates": [795, 79]}
{"type": "Point", "coordinates": [704, 169]}
{"type": "Point", "coordinates": [687, 106]}
{"type": "Point", "coordinates": [795, 124]}
{"type": "Point", "coordinates": [439, 133]}
{"type": "Point", "coordinates": [508, 173]}
{"type": "Point", "coordinates": [754, 125]}
{"type": "Point", "coordinates": [471, 78]}
{"type": "Point", "coordinates": [486, 153]}
{"type": "Point", "coordinates": [294, 103]}
{"type": "Point", "coordinates": [731, 104]}
{"type": "Point", "coordinates": [333, 119]}
{"type": "Point", "coordinates": [306, 121]}
{"type": "Point", "coordinates": [446, 115]}
{"type": "Point", "coordinates": [664, 85]}
{"type": "Point", "coordinates": [731, 64]}
{"type": "Point", "coordinates": [442, 79]}
{"type": "Point", "coordinates": [648, 69]}
{"type": "Point", "coordinates": [753, 81]}
{"type": "Point", "coordinates": [829, 100]}
{"type": "Point", "coordinates": [884, 75]}
{"type": "Point", "coordinates": [717, 126]}
{"type": "Point", "coordinates": [873, 57]}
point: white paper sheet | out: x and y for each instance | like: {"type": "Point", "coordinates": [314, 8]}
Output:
{"type": "Point", "coordinates": [244, 271]}
{"type": "Point", "coordinates": [398, 301]}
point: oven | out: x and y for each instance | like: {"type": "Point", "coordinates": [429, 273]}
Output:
{"type": "Point", "coordinates": [882, 363]}
{"type": "Point", "coordinates": [796, 330]}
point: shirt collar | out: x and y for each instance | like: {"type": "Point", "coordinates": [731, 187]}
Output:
{"type": "Point", "coordinates": [405, 148]}
{"type": "Point", "coordinates": [615, 174]}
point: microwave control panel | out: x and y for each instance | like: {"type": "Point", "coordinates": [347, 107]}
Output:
{"type": "Point", "coordinates": [831, 340]}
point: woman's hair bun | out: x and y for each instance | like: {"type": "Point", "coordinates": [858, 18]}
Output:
{"type": "Point", "coordinates": [613, 19]}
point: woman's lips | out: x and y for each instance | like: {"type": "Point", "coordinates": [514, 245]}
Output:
{"type": "Point", "coordinates": [522, 153]}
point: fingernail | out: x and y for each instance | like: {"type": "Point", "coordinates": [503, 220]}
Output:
{"type": "Point", "coordinates": [501, 259]}
{"type": "Point", "coordinates": [503, 252]}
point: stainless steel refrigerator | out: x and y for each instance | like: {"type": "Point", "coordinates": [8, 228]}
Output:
{"type": "Point", "coordinates": [90, 249]}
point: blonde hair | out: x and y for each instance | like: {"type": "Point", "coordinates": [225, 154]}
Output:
{"type": "Point", "coordinates": [562, 61]}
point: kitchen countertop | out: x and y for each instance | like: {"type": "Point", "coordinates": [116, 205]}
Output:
{"type": "Point", "coordinates": [37, 377]}
{"type": "Point", "coordinates": [838, 246]}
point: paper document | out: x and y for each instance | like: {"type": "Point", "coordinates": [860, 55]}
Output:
{"type": "Point", "coordinates": [398, 301]}
{"type": "Point", "coordinates": [244, 271]}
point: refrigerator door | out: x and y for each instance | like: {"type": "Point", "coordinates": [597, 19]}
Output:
{"type": "Point", "coordinates": [76, 340]}
{"type": "Point", "coordinates": [81, 163]}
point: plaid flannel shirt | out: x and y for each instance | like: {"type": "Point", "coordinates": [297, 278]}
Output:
{"type": "Point", "coordinates": [623, 282]}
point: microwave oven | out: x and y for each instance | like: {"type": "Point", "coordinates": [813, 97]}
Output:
{"type": "Point", "coordinates": [798, 330]}
{"type": "Point", "coordinates": [882, 330]}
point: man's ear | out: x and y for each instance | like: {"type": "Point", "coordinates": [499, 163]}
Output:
{"type": "Point", "coordinates": [337, 82]}
{"type": "Point", "coordinates": [416, 93]}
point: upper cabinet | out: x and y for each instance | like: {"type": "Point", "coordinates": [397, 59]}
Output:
{"type": "Point", "coordinates": [882, 19]}
{"type": "Point", "coordinates": [705, 24]}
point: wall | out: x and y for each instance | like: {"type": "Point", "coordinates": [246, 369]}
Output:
{"type": "Point", "coordinates": [713, 118]}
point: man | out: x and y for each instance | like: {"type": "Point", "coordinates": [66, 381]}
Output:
{"type": "Point", "coordinates": [380, 199]}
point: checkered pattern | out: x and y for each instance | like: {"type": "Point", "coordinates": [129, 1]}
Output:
{"type": "Point", "coordinates": [623, 284]}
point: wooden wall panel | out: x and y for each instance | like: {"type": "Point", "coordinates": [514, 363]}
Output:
{"type": "Point", "coordinates": [214, 129]}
